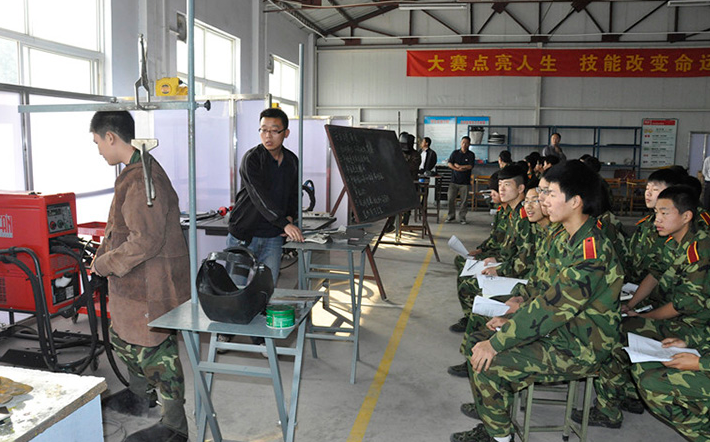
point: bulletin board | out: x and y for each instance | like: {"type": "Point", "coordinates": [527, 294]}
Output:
{"type": "Point", "coordinates": [658, 142]}
{"type": "Point", "coordinates": [446, 133]}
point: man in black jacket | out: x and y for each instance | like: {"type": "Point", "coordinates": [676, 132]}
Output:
{"type": "Point", "coordinates": [267, 203]}
{"type": "Point", "coordinates": [428, 156]}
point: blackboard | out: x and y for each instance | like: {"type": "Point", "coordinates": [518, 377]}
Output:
{"type": "Point", "coordinates": [375, 174]}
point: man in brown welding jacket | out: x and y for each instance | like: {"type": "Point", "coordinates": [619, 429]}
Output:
{"type": "Point", "coordinates": [145, 258]}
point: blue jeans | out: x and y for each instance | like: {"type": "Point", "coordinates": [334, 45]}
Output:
{"type": "Point", "coordinates": [267, 251]}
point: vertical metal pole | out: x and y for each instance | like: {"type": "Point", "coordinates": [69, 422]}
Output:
{"type": "Point", "coordinates": [195, 337]}
{"type": "Point", "coordinates": [191, 144]}
{"type": "Point", "coordinates": [302, 75]}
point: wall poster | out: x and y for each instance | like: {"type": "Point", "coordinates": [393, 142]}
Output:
{"type": "Point", "coordinates": [658, 142]}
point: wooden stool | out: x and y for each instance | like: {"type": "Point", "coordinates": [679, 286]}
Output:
{"type": "Point", "coordinates": [525, 429]}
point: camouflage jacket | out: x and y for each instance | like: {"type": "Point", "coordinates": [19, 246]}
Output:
{"type": "Point", "coordinates": [498, 228]}
{"type": "Point", "coordinates": [685, 283]}
{"type": "Point", "coordinates": [579, 313]}
{"type": "Point", "coordinates": [639, 248]}
{"type": "Point", "coordinates": [517, 251]}
{"type": "Point", "coordinates": [702, 219]}
{"type": "Point", "coordinates": [539, 275]}
{"type": "Point", "coordinates": [614, 230]}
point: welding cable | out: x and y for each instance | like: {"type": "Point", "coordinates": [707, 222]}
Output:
{"type": "Point", "coordinates": [85, 298]}
{"type": "Point", "coordinates": [9, 256]}
{"type": "Point", "coordinates": [98, 283]}
{"type": "Point", "coordinates": [310, 190]}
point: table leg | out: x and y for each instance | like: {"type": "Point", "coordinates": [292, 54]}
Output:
{"type": "Point", "coordinates": [296, 385]}
{"type": "Point", "coordinates": [278, 385]}
{"type": "Point", "coordinates": [208, 414]}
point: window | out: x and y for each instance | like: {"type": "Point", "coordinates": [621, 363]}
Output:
{"type": "Point", "coordinates": [283, 86]}
{"type": "Point", "coordinates": [39, 36]}
{"type": "Point", "coordinates": [216, 63]}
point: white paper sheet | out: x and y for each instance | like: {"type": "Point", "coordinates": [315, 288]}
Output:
{"type": "Point", "coordinates": [457, 246]}
{"type": "Point", "coordinates": [497, 285]}
{"type": "Point", "coordinates": [627, 291]}
{"type": "Point", "coordinates": [488, 307]}
{"type": "Point", "coordinates": [642, 349]}
{"type": "Point", "coordinates": [473, 267]}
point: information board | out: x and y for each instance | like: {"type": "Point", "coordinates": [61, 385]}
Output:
{"type": "Point", "coordinates": [442, 131]}
{"type": "Point", "coordinates": [658, 142]}
{"type": "Point", "coordinates": [374, 172]}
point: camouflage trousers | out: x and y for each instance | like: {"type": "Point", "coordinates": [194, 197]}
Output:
{"type": "Point", "coordinates": [614, 382]}
{"type": "Point", "coordinates": [467, 289]}
{"type": "Point", "coordinates": [681, 398]}
{"type": "Point", "coordinates": [159, 366]}
{"type": "Point", "coordinates": [515, 369]}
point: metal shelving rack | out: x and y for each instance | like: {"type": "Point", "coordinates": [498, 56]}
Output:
{"type": "Point", "coordinates": [596, 147]}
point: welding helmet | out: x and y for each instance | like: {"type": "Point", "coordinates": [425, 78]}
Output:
{"type": "Point", "coordinates": [221, 299]}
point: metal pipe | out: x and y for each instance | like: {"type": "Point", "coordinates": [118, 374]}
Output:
{"type": "Point", "coordinates": [191, 145]}
{"type": "Point", "coordinates": [302, 76]}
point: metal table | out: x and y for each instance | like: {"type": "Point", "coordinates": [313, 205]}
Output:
{"type": "Point", "coordinates": [189, 318]}
{"type": "Point", "coordinates": [309, 270]}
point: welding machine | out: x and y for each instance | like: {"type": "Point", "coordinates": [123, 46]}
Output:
{"type": "Point", "coordinates": [30, 220]}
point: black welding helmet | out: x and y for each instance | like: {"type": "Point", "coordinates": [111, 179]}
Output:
{"type": "Point", "coordinates": [221, 299]}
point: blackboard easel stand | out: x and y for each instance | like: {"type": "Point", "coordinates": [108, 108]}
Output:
{"type": "Point", "coordinates": [368, 252]}
{"type": "Point", "coordinates": [423, 193]}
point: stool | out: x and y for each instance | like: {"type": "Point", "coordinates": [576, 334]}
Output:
{"type": "Point", "coordinates": [525, 429]}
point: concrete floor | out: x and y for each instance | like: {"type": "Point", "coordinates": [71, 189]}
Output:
{"type": "Point", "coordinates": [405, 349]}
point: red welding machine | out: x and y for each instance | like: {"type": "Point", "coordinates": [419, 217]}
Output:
{"type": "Point", "coordinates": [31, 220]}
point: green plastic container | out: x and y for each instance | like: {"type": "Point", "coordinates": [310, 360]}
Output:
{"type": "Point", "coordinates": [280, 316]}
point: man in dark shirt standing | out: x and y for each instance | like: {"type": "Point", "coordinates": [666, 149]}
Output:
{"type": "Point", "coordinates": [460, 162]}
{"type": "Point", "coordinates": [267, 203]}
{"type": "Point", "coordinates": [428, 162]}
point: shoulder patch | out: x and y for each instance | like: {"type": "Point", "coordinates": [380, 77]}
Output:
{"type": "Point", "coordinates": [643, 219]}
{"type": "Point", "coordinates": [693, 253]}
{"type": "Point", "coordinates": [590, 248]}
{"type": "Point", "coordinates": [705, 217]}
{"type": "Point", "coordinates": [523, 213]}
{"type": "Point", "coordinates": [599, 224]}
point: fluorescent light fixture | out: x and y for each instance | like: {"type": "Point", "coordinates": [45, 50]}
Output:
{"type": "Point", "coordinates": [431, 6]}
{"type": "Point", "coordinates": [676, 3]}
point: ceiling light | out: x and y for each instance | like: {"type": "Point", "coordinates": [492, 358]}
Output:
{"type": "Point", "coordinates": [675, 3]}
{"type": "Point", "coordinates": [430, 6]}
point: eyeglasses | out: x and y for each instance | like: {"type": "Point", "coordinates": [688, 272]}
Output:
{"type": "Point", "coordinates": [530, 202]}
{"type": "Point", "coordinates": [543, 190]}
{"type": "Point", "coordinates": [272, 132]}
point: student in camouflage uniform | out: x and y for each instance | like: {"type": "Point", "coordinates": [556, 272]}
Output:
{"type": "Point", "coordinates": [516, 252]}
{"type": "Point", "coordinates": [493, 242]}
{"type": "Point", "coordinates": [685, 307]}
{"type": "Point", "coordinates": [678, 391]}
{"type": "Point", "coordinates": [644, 240]}
{"type": "Point", "coordinates": [565, 332]}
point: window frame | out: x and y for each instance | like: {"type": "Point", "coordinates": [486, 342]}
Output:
{"type": "Point", "coordinates": [278, 98]}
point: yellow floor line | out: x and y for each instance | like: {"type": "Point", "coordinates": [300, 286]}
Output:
{"type": "Point", "coordinates": [357, 433]}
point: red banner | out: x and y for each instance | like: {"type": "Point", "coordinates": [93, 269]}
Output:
{"type": "Point", "coordinates": [683, 62]}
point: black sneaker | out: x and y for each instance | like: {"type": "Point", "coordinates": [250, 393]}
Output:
{"type": "Point", "coordinates": [478, 434]}
{"type": "Point", "coordinates": [634, 406]}
{"type": "Point", "coordinates": [157, 432]}
{"type": "Point", "coordinates": [470, 410]}
{"type": "Point", "coordinates": [460, 371]}
{"type": "Point", "coordinates": [127, 402]}
{"type": "Point", "coordinates": [596, 419]}
{"type": "Point", "coordinates": [460, 326]}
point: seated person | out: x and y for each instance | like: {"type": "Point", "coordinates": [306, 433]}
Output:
{"type": "Point", "coordinates": [643, 240]}
{"type": "Point", "coordinates": [505, 159]}
{"type": "Point", "coordinates": [677, 391]}
{"type": "Point", "coordinates": [549, 161]}
{"type": "Point", "coordinates": [565, 332]}
{"type": "Point", "coordinates": [683, 304]}
{"type": "Point", "coordinates": [517, 240]}
{"type": "Point", "coordinates": [533, 171]}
